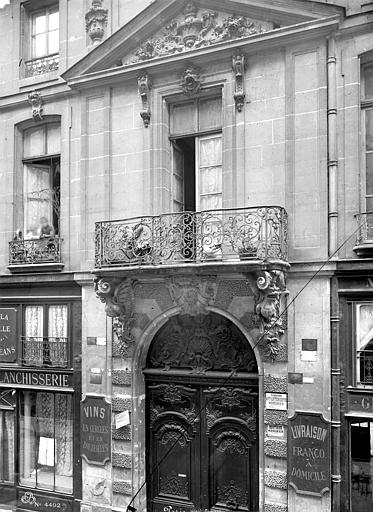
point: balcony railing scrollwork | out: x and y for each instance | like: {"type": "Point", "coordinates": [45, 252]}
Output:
{"type": "Point", "coordinates": [364, 237]}
{"type": "Point", "coordinates": [45, 352]}
{"type": "Point", "coordinates": [196, 237]}
{"type": "Point", "coordinates": [365, 367]}
{"type": "Point", "coordinates": [41, 65]}
{"type": "Point", "coordinates": [35, 251]}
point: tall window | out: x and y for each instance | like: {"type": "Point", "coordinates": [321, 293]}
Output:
{"type": "Point", "coordinates": [41, 180]}
{"type": "Point", "coordinates": [364, 344]}
{"type": "Point", "coordinates": [46, 442]}
{"type": "Point", "coordinates": [7, 436]}
{"type": "Point", "coordinates": [195, 133]}
{"type": "Point", "coordinates": [45, 32]}
{"type": "Point", "coordinates": [367, 106]}
{"type": "Point", "coordinates": [361, 466]}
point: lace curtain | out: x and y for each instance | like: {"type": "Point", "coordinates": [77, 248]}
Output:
{"type": "Point", "coordinates": [7, 446]}
{"type": "Point", "coordinates": [37, 197]}
{"type": "Point", "coordinates": [33, 342]}
{"type": "Point", "coordinates": [57, 333]}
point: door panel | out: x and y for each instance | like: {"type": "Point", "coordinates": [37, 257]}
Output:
{"type": "Point", "coordinates": [202, 447]}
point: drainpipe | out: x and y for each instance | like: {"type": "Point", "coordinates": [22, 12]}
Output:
{"type": "Point", "coordinates": [335, 371]}
{"type": "Point", "coordinates": [332, 147]}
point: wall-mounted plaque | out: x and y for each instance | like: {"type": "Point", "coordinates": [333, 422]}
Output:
{"type": "Point", "coordinates": [33, 500]}
{"type": "Point", "coordinates": [277, 401]}
{"type": "Point", "coordinates": [8, 335]}
{"type": "Point", "coordinates": [95, 419]}
{"type": "Point", "coordinates": [309, 453]}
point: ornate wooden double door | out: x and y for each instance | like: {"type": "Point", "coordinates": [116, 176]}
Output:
{"type": "Point", "coordinates": [202, 423]}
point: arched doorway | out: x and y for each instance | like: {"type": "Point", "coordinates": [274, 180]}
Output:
{"type": "Point", "coordinates": [201, 417]}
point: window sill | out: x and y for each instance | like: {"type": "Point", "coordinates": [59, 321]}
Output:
{"type": "Point", "coordinates": [52, 76]}
{"type": "Point", "coordinates": [364, 249]}
{"type": "Point", "coordinates": [36, 267]}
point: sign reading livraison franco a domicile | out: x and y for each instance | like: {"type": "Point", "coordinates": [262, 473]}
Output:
{"type": "Point", "coordinates": [309, 453]}
{"type": "Point", "coordinates": [8, 335]}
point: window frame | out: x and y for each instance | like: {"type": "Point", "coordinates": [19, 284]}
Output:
{"type": "Point", "coordinates": [355, 348]}
{"type": "Point", "coordinates": [47, 11]}
{"type": "Point", "coordinates": [366, 104]}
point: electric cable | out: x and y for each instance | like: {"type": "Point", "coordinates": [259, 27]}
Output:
{"type": "Point", "coordinates": [130, 508]}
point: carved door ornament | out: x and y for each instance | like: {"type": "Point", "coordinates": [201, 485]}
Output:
{"type": "Point", "coordinates": [144, 86]}
{"type": "Point", "coordinates": [195, 29]}
{"type": "Point", "coordinates": [239, 73]}
{"type": "Point", "coordinates": [36, 102]}
{"type": "Point", "coordinates": [119, 299]}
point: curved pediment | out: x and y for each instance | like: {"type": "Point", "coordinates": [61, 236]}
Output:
{"type": "Point", "coordinates": [171, 27]}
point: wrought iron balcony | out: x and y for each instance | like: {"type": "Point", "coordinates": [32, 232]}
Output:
{"type": "Point", "coordinates": [45, 352]}
{"type": "Point", "coordinates": [39, 251]}
{"type": "Point", "coordinates": [364, 239]}
{"type": "Point", "coordinates": [42, 65]}
{"type": "Point", "coordinates": [258, 233]}
{"type": "Point", "coordinates": [365, 367]}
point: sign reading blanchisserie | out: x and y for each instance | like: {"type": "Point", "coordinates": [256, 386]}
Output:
{"type": "Point", "coordinates": [95, 419]}
{"type": "Point", "coordinates": [32, 500]}
{"type": "Point", "coordinates": [309, 453]}
{"type": "Point", "coordinates": [8, 335]}
{"type": "Point", "coordinates": [30, 378]}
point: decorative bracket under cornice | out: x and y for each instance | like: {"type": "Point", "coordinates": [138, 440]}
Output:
{"type": "Point", "coordinates": [36, 102]}
{"type": "Point", "coordinates": [238, 62]}
{"type": "Point", "coordinates": [144, 85]}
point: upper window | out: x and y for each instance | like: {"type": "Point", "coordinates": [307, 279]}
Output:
{"type": "Point", "coordinates": [364, 344]}
{"type": "Point", "coordinates": [40, 39]}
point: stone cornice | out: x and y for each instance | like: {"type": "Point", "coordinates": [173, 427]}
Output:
{"type": "Point", "coordinates": [251, 44]}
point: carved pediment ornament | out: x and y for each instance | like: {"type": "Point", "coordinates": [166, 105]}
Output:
{"type": "Point", "coordinates": [36, 102]}
{"type": "Point", "coordinates": [238, 62]}
{"type": "Point", "coordinates": [197, 29]}
{"type": "Point", "coordinates": [191, 81]}
{"type": "Point", "coordinates": [96, 21]}
{"type": "Point", "coordinates": [144, 86]}
{"type": "Point", "coordinates": [119, 298]}
{"type": "Point", "coordinates": [193, 295]}
{"type": "Point", "coordinates": [271, 287]}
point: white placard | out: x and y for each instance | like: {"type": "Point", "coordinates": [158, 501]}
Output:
{"type": "Point", "coordinates": [122, 419]}
{"type": "Point", "coordinates": [275, 431]}
{"type": "Point", "coordinates": [277, 401]}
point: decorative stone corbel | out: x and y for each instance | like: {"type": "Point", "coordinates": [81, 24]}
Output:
{"type": "Point", "coordinates": [36, 102]}
{"type": "Point", "coordinates": [96, 21]}
{"type": "Point", "coordinates": [119, 299]}
{"type": "Point", "coordinates": [193, 295]}
{"type": "Point", "coordinates": [191, 81]}
{"type": "Point", "coordinates": [144, 85]}
{"type": "Point", "coordinates": [270, 286]}
{"type": "Point", "coordinates": [238, 61]}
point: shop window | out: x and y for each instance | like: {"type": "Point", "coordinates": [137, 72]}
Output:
{"type": "Point", "coordinates": [7, 436]}
{"type": "Point", "coordinates": [361, 466]}
{"type": "Point", "coordinates": [40, 37]}
{"type": "Point", "coordinates": [364, 344]}
{"type": "Point", "coordinates": [41, 181]}
{"type": "Point", "coordinates": [46, 441]}
{"type": "Point", "coordinates": [45, 341]}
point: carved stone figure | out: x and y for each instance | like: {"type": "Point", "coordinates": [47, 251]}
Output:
{"type": "Point", "coordinates": [193, 295]}
{"type": "Point", "coordinates": [36, 102]}
{"type": "Point", "coordinates": [96, 21]}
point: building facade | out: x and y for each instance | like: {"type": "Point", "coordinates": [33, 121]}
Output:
{"type": "Point", "coordinates": [185, 250]}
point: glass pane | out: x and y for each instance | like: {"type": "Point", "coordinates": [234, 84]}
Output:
{"type": "Point", "coordinates": [369, 174]}
{"type": "Point", "coordinates": [211, 202]}
{"type": "Point", "coordinates": [53, 42]}
{"type": "Point", "coordinates": [210, 151]}
{"type": "Point", "coordinates": [369, 129]}
{"type": "Point", "coordinates": [40, 45]}
{"type": "Point", "coordinates": [34, 142]}
{"type": "Point", "coordinates": [361, 466]}
{"type": "Point", "coordinates": [40, 24]}
{"type": "Point", "coordinates": [6, 446]}
{"type": "Point", "coordinates": [53, 20]}
{"type": "Point", "coordinates": [53, 139]}
{"type": "Point", "coordinates": [46, 441]}
{"type": "Point", "coordinates": [368, 79]}
{"type": "Point", "coordinates": [210, 113]}
{"type": "Point", "coordinates": [211, 180]}
{"type": "Point", "coordinates": [183, 118]}
{"type": "Point", "coordinates": [37, 199]}
{"type": "Point", "coordinates": [364, 344]}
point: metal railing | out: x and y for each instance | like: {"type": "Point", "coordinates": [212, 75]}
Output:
{"type": "Point", "coordinates": [39, 250]}
{"type": "Point", "coordinates": [45, 352]}
{"type": "Point", "coordinates": [41, 65]}
{"type": "Point", "coordinates": [196, 237]}
{"type": "Point", "coordinates": [365, 228]}
{"type": "Point", "coordinates": [365, 367]}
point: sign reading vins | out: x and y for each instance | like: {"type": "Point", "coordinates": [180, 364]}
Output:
{"type": "Point", "coordinates": [95, 419]}
{"type": "Point", "coordinates": [8, 335]}
{"type": "Point", "coordinates": [309, 453]}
